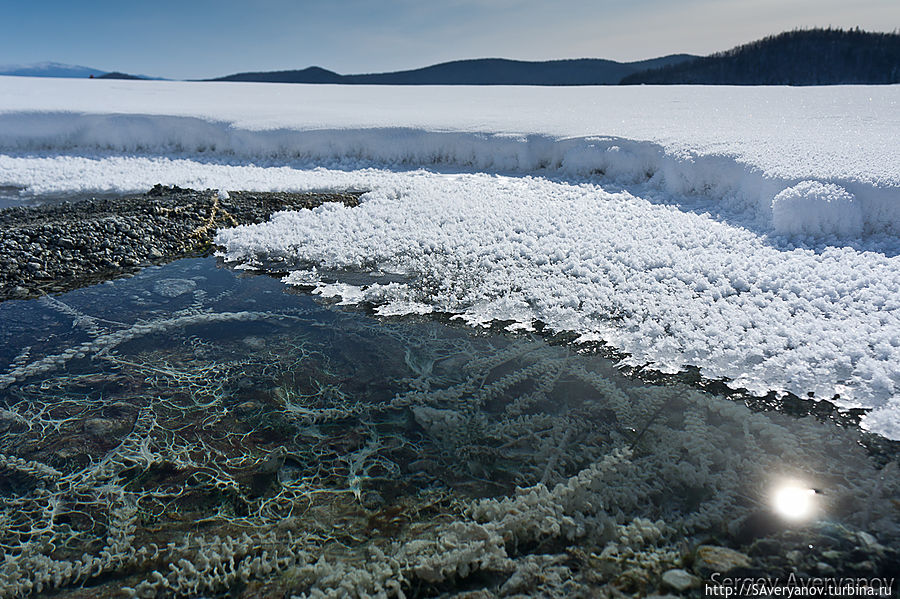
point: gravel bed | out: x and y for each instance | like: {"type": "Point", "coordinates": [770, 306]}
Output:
{"type": "Point", "coordinates": [59, 247]}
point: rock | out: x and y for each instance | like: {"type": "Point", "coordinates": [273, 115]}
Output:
{"type": "Point", "coordinates": [254, 342]}
{"type": "Point", "coordinates": [865, 566]}
{"type": "Point", "coordinates": [247, 383]}
{"type": "Point", "coordinates": [680, 580]}
{"type": "Point", "coordinates": [372, 500]}
{"type": "Point", "coordinates": [869, 542]}
{"type": "Point", "coordinates": [103, 428]}
{"type": "Point", "coordinates": [712, 558]}
{"type": "Point", "coordinates": [9, 420]}
{"type": "Point", "coordinates": [247, 407]}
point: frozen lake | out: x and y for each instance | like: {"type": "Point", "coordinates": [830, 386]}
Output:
{"type": "Point", "coordinates": [192, 429]}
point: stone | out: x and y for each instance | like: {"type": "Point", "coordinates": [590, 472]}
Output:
{"type": "Point", "coordinates": [866, 566]}
{"type": "Point", "coordinates": [9, 419]}
{"type": "Point", "coordinates": [680, 580]}
{"type": "Point", "coordinates": [712, 558]}
{"type": "Point", "coordinates": [869, 542]}
{"type": "Point", "coordinates": [103, 428]}
{"type": "Point", "coordinates": [247, 407]}
{"type": "Point", "coordinates": [254, 342]}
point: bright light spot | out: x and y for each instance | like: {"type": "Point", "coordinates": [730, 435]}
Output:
{"type": "Point", "coordinates": [794, 502]}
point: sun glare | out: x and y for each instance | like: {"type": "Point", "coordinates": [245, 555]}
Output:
{"type": "Point", "coordinates": [794, 501]}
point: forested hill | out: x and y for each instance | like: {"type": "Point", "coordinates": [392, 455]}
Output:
{"type": "Point", "coordinates": [803, 57]}
{"type": "Point", "coordinates": [482, 71]}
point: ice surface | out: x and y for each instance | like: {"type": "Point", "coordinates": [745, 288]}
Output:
{"type": "Point", "coordinates": [752, 232]}
{"type": "Point", "coordinates": [743, 145]}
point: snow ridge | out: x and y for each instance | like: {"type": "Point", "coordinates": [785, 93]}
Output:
{"type": "Point", "coordinates": [868, 206]}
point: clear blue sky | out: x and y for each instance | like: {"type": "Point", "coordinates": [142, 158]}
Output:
{"type": "Point", "coordinates": [206, 38]}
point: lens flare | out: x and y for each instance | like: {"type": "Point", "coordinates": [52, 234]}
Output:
{"type": "Point", "coordinates": [794, 501]}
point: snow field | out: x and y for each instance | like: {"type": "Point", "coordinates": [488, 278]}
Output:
{"type": "Point", "coordinates": [735, 145]}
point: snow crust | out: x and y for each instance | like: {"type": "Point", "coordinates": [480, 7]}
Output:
{"type": "Point", "coordinates": [739, 145]}
{"type": "Point", "coordinates": [751, 232]}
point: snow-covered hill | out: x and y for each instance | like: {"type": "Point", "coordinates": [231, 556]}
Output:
{"type": "Point", "coordinates": [49, 69]}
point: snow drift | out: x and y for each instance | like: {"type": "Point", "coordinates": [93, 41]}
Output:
{"type": "Point", "coordinates": [739, 147]}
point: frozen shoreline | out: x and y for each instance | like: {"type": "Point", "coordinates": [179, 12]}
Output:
{"type": "Point", "coordinates": [750, 232]}
{"type": "Point", "coordinates": [62, 246]}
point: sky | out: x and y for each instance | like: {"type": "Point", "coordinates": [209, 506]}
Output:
{"type": "Point", "coordinates": [184, 39]}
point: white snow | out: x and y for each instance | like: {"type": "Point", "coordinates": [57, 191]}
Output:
{"type": "Point", "coordinates": [752, 232]}
{"type": "Point", "coordinates": [739, 144]}
{"type": "Point", "coordinates": [671, 288]}
{"type": "Point", "coordinates": [818, 209]}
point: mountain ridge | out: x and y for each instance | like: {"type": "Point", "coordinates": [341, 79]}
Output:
{"type": "Point", "coordinates": [477, 71]}
{"type": "Point", "coordinates": [814, 56]}
{"type": "Point", "coordinates": [49, 69]}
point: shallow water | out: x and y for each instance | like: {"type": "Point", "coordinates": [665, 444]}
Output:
{"type": "Point", "coordinates": [12, 196]}
{"type": "Point", "coordinates": [156, 420]}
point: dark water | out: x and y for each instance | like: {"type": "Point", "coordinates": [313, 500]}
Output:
{"type": "Point", "coordinates": [12, 196]}
{"type": "Point", "coordinates": [192, 405]}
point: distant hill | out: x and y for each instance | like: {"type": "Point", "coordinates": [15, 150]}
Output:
{"type": "Point", "coordinates": [803, 57]}
{"type": "Point", "coordinates": [482, 71]}
{"type": "Point", "coordinates": [118, 75]}
{"type": "Point", "coordinates": [49, 69]}
{"type": "Point", "coordinates": [308, 75]}
{"type": "Point", "coordinates": [57, 69]}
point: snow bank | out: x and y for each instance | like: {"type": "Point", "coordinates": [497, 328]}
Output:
{"type": "Point", "coordinates": [814, 208]}
{"type": "Point", "coordinates": [739, 147]}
